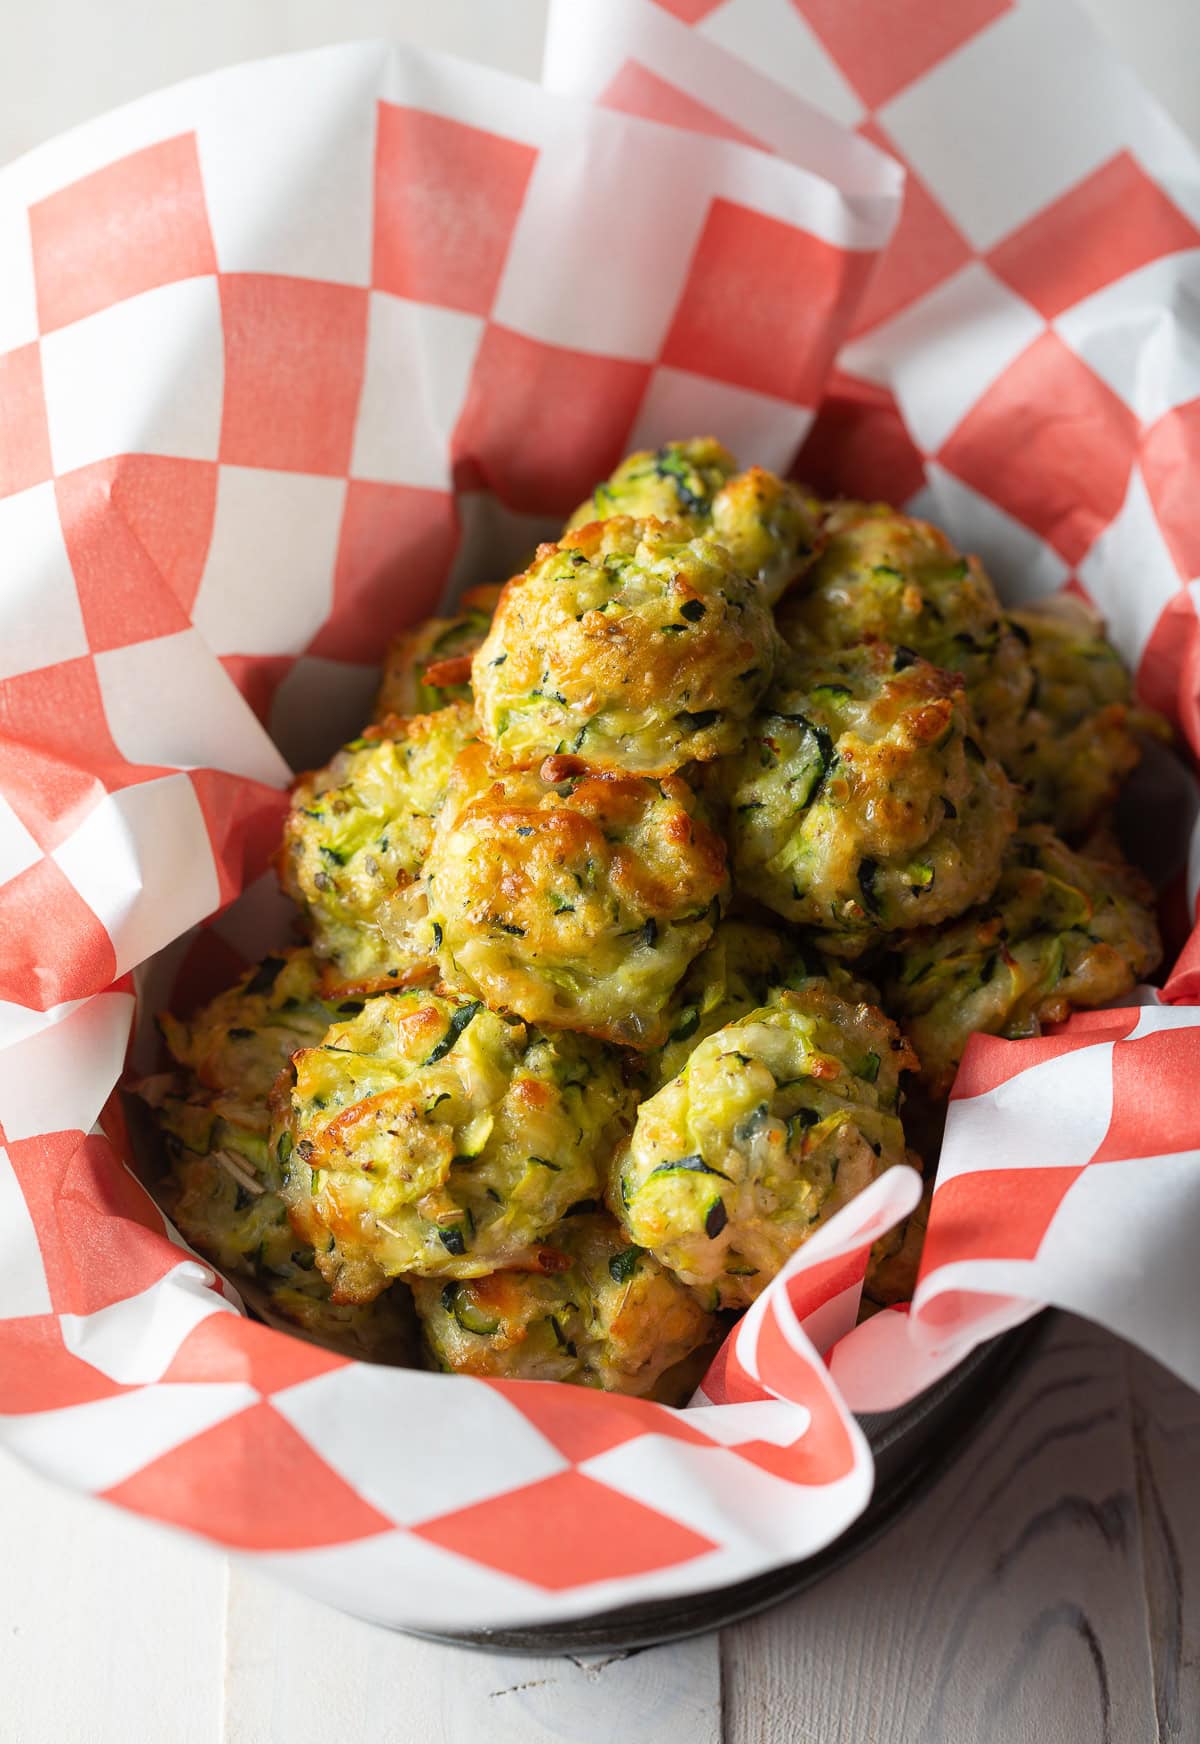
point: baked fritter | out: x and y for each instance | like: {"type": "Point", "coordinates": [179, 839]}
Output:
{"type": "Point", "coordinates": [882, 576]}
{"type": "Point", "coordinates": [767, 524]}
{"type": "Point", "coordinates": [735, 973]}
{"type": "Point", "coordinates": [237, 1045]}
{"type": "Point", "coordinates": [1078, 736]}
{"type": "Point", "coordinates": [430, 665]}
{"type": "Point", "coordinates": [862, 803]}
{"type": "Point", "coordinates": [223, 1195]}
{"type": "Point", "coordinates": [355, 842]}
{"type": "Point", "coordinates": [429, 1135]}
{"type": "Point", "coordinates": [632, 644]}
{"type": "Point", "coordinates": [774, 1122]}
{"type": "Point", "coordinates": [677, 482]}
{"type": "Point", "coordinates": [603, 1314]}
{"type": "Point", "coordinates": [895, 1261]}
{"type": "Point", "coordinates": [537, 824]}
{"type": "Point", "coordinates": [574, 899]}
{"type": "Point", "coordinates": [1062, 930]}
{"type": "Point", "coordinates": [223, 1188]}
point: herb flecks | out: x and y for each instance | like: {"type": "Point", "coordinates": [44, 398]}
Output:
{"type": "Point", "coordinates": [459, 1020]}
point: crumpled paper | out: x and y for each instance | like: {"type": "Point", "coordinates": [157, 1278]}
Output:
{"type": "Point", "coordinates": [290, 353]}
{"type": "Point", "coordinates": [1024, 369]}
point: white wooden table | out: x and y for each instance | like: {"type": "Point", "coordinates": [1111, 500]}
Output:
{"type": "Point", "coordinates": [1048, 1589]}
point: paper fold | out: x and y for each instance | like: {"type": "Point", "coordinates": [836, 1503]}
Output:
{"type": "Point", "coordinates": [289, 354]}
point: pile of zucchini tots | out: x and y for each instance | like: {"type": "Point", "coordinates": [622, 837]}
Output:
{"type": "Point", "coordinates": [646, 925]}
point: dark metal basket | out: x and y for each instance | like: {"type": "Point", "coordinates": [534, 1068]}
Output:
{"type": "Point", "coordinates": [911, 1446]}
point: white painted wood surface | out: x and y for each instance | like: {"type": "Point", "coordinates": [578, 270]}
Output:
{"type": "Point", "coordinates": [109, 1629]}
{"type": "Point", "coordinates": [1047, 1590]}
{"type": "Point", "coordinates": [1019, 1600]}
{"type": "Point", "coordinates": [394, 1689]}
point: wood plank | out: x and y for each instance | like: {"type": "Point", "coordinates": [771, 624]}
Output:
{"type": "Point", "coordinates": [1007, 1605]}
{"type": "Point", "coordinates": [1166, 1430]}
{"type": "Point", "coordinates": [297, 1670]}
{"type": "Point", "coordinates": [110, 1629]}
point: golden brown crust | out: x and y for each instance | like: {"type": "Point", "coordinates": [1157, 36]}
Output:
{"type": "Point", "coordinates": [354, 846]}
{"type": "Point", "coordinates": [427, 665]}
{"type": "Point", "coordinates": [224, 1185]}
{"type": "Point", "coordinates": [883, 576]}
{"type": "Point", "coordinates": [426, 1135]}
{"type": "Point", "coordinates": [767, 524]}
{"type": "Point", "coordinates": [774, 1122]}
{"type": "Point", "coordinates": [630, 643]}
{"type": "Point", "coordinates": [862, 803]}
{"type": "Point", "coordinates": [572, 897]}
{"type": "Point", "coordinates": [607, 1316]}
{"type": "Point", "coordinates": [330, 1144]}
{"type": "Point", "coordinates": [1063, 930]}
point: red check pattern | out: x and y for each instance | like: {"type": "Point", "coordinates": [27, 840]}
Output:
{"type": "Point", "coordinates": [1016, 372]}
{"type": "Point", "coordinates": [127, 228]}
{"type": "Point", "coordinates": [1016, 1220]}
{"type": "Point", "coordinates": [163, 509]}
{"type": "Point", "coordinates": [227, 444]}
{"type": "Point", "coordinates": [232, 461]}
{"type": "Point", "coordinates": [1063, 428]}
{"type": "Point", "coordinates": [216, 1424]}
{"type": "Point", "coordinates": [1004, 373]}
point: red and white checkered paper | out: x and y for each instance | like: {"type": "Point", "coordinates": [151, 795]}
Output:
{"type": "Point", "coordinates": [1024, 369]}
{"type": "Point", "coordinates": [288, 352]}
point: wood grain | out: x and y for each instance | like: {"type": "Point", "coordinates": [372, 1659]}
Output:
{"type": "Point", "coordinates": [296, 1670]}
{"type": "Point", "coordinates": [1048, 1590]}
{"type": "Point", "coordinates": [1166, 1434]}
{"type": "Point", "coordinates": [1016, 1601]}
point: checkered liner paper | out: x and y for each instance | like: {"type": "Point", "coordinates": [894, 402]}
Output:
{"type": "Point", "coordinates": [288, 353]}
